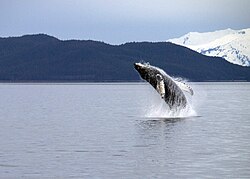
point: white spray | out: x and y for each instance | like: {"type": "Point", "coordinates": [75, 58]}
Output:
{"type": "Point", "coordinates": [158, 108]}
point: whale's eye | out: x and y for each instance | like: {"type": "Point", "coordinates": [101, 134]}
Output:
{"type": "Point", "coordinates": [158, 77]}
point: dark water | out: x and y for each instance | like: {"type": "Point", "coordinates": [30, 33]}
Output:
{"type": "Point", "coordinates": [100, 131]}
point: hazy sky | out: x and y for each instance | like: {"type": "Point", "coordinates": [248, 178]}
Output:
{"type": "Point", "coordinates": [119, 21]}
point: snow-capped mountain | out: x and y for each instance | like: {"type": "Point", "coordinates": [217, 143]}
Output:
{"type": "Point", "coordinates": [232, 45]}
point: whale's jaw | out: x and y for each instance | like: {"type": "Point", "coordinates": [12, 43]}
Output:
{"type": "Point", "coordinates": [144, 69]}
{"type": "Point", "coordinates": [139, 66]}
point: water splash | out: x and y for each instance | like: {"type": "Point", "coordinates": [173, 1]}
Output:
{"type": "Point", "coordinates": [161, 110]}
{"type": "Point", "coordinates": [157, 107]}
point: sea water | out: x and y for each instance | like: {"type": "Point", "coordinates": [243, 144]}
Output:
{"type": "Point", "coordinates": [106, 131]}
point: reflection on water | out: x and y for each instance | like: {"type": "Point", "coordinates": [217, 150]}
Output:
{"type": "Point", "coordinates": [158, 124]}
{"type": "Point", "coordinates": [165, 120]}
{"type": "Point", "coordinates": [100, 131]}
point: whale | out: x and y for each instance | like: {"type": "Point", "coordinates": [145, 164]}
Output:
{"type": "Point", "coordinates": [170, 90]}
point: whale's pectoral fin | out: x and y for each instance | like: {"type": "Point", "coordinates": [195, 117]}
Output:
{"type": "Point", "coordinates": [185, 87]}
{"type": "Point", "coordinates": [160, 87]}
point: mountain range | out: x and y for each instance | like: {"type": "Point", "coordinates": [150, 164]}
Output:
{"type": "Point", "coordinates": [43, 58]}
{"type": "Point", "coordinates": [233, 45]}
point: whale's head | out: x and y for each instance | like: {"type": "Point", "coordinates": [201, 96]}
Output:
{"type": "Point", "coordinates": [147, 72]}
{"type": "Point", "coordinates": [143, 69]}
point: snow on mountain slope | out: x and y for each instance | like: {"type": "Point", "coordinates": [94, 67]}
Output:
{"type": "Point", "coordinates": [232, 45]}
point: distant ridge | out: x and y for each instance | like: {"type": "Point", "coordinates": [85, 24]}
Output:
{"type": "Point", "coordinates": [44, 58]}
{"type": "Point", "coordinates": [233, 45]}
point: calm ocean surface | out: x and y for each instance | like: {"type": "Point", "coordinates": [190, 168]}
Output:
{"type": "Point", "coordinates": [102, 131]}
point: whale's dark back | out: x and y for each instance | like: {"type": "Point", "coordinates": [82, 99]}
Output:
{"type": "Point", "coordinates": [174, 96]}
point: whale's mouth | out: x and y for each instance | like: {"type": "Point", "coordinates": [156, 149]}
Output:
{"type": "Point", "coordinates": [138, 65]}
{"type": "Point", "coordinates": [141, 66]}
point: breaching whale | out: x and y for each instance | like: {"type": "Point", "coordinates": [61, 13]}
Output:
{"type": "Point", "coordinates": [170, 90]}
